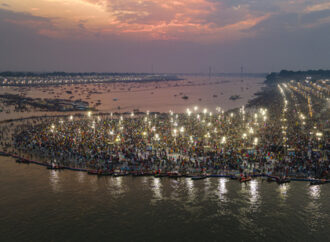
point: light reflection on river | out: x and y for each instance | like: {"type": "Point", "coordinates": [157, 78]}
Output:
{"type": "Point", "coordinates": [222, 189]}
{"type": "Point", "coordinates": [156, 188]}
{"type": "Point", "coordinates": [39, 204]}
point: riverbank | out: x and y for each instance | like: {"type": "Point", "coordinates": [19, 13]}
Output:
{"type": "Point", "coordinates": [221, 174]}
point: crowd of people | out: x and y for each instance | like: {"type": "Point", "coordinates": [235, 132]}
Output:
{"type": "Point", "coordinates": [269, 139]}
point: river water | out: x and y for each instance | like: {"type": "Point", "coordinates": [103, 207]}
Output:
{"type": "Point", "coordinates": [38, 204]}
{"type": "Point", "coordinates": [153, 96]}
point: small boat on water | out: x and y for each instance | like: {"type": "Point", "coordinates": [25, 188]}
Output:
{"type": "Point", "coordinates": [138, 173]}
{"type": "Point", "coordinates": [93, 172]}
{"type": "Point", "coordinates": [317, 182]}
{"type": "Point", "coordinates": [55, 167]}
{"type": "Point", "coordinates": [283, 180]}
{"type": "Point", "coordinates": [4, 153]}
{"type": "Point", "coordinates": [22, 161]}
{"type": "Point", "coordinates": [148, 173]}
{"type": "Point", "coordinates": [159, 175]}
{"type": "Point", "coordinates": [116, 174]}
{"type": "Point", "coordinates": [245, 179]}
{"type": "Point", "coordinates": [271, 179]}
{"type": "Point", "coordinates": [174, 174]}
{"type": "Point", "coordinates": [199, 177]}
{"type": "Point", "coordinates": [186, 174]}
{"type": "Point", "coordinates": [105, 173]}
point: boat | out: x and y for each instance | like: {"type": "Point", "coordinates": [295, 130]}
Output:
{"type": "Point", "coordinates": [199, 177]}
{"type": "Point", "coordinates": [104, 173]}
{"type": "Point", "coordinates": [18, 160]}
{"type": "Point", "coordinates": [245, 179]}
{"type": "Point", "coordinates": [317, 182]}
{"type": "Point", "coordinates": [142, 173]}
{"type": "Point", "coordinates": [271, 179]}
{"type": "Point", "coordinates": [159, 175]}
{"type": "Point", "coordinates": [186, 174]}
{"type": "Point", "coordinates": [138, 173]}
{"type": "Point", "coordinates": [283, 180]}
{"type": "Point", "coordinates": [4, 153]}
{"type": "Point", "coordinates": [22, 161]}
{"type": "Point", "coordinates": [116, 174]}
{"type": "Point", "coordinates": [55, 167]}
{"type": "Point", "coordinates": [93, 172]}
{"type": "Point", "coordinates": [174, 174]}
{"type": "Point", "coordinates": [148, 173]}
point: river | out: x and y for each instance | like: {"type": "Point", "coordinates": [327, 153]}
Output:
{"type": "Point", "coordinates": [38, 204]}
{"type": "Point", "coordinates": [153, 96]}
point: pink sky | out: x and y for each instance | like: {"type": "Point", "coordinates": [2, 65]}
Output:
{"type": "Point", "coordinates": [203, 22]}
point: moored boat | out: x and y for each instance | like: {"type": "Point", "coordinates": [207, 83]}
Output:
{"type": "Point", "coordinates": [4, 153]}
{"type": "Point", "coordinates": [174, 174]}
{"type": "Point", "coordinates": [24, 161]}
{"type": "Point", "coordinates": [116, 174]}
{"type": "Point", "coordinates": [245, 179]}
{"type": "Point", "coordinates": [283, 180]}
{"type": "Point", "coordinates": [317, 182]}
{"type": "Point", "coordinates": [271, 179]}
{"type": "Point", "coordinates": [159, 175]}
{"type": "Point", "coordinates": [199, 177]}
{"type": "Point", "coordinates": [138, 173]}
{"type": "Point", "coordinates": [104, 173]}
{"type": "Point", "coordinates": [93, 172]}
{"type": "Point", "coordinates": [55, 167]}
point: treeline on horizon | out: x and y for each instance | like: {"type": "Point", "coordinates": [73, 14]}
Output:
{"type": "Point", "coordinates": [61, 73]}
{"type": "Point", "coordinates": [285, 75]}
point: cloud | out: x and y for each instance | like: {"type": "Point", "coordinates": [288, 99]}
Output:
{"type": "Point", "coordinates": [174, 35]}
{"type": "Point", "coordinates": [318, 7]}
{"type": "Point", "coordinates": [195, 19]}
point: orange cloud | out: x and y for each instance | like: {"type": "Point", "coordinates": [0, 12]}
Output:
{"type": "Point", "coordinates": [154, 19]}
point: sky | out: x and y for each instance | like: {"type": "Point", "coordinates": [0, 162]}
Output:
{"type": "Point", "coordinates": [164, 35]}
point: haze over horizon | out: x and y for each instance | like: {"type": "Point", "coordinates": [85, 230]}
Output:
{"type": "Point", "coordinates": [172, 36]}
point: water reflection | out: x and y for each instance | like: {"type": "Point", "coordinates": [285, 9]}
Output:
{"type": "Point", "coordinates": [54, 180]}
{"type": "Point", "coordinates": [144, 181]}
{"type": "Point", "coordinates": [222, 189]}
{"type": "Point", "coordinates": [254, 193]}
{"type": "Point", "coordinates": [315, 191]}
{"type": "Point", "coordinates": [157, 189]}
{"type": "Point", "coordinates": [118, 182]}
{"type": "Point", "coordinates": [313, 208]}
{"type": "Point", "coordinates": [207, 185]}
{"type": "Point", "coordinates": [81, 177]}
{"type": "Point", "coordinates": [283, 190]}
{"type": "Point", "coordinates": [115, 186]}
{"type": "Point", "coordinates": [191, 189]}
{"type": "Point", "coordinates": [174, 185]}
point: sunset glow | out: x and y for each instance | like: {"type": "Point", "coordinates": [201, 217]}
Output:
{"type": "Point", "coordinates": [155, 19]}
{"type": "Point", "coordinates": [171, 35]}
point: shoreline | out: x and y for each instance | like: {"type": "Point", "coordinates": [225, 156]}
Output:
{"type": "Point", "coordinates": [228, 174]}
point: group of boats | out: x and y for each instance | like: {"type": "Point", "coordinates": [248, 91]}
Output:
{"type": "Point", "coordinates": [52, 166]}
{"type": "Point", "coordinates": [176, 174]}
{"type": "Point", "coordinates": [279, 180]}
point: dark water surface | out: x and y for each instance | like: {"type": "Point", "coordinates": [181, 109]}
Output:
{"type": "Point", "coordinates": [39, 204]}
